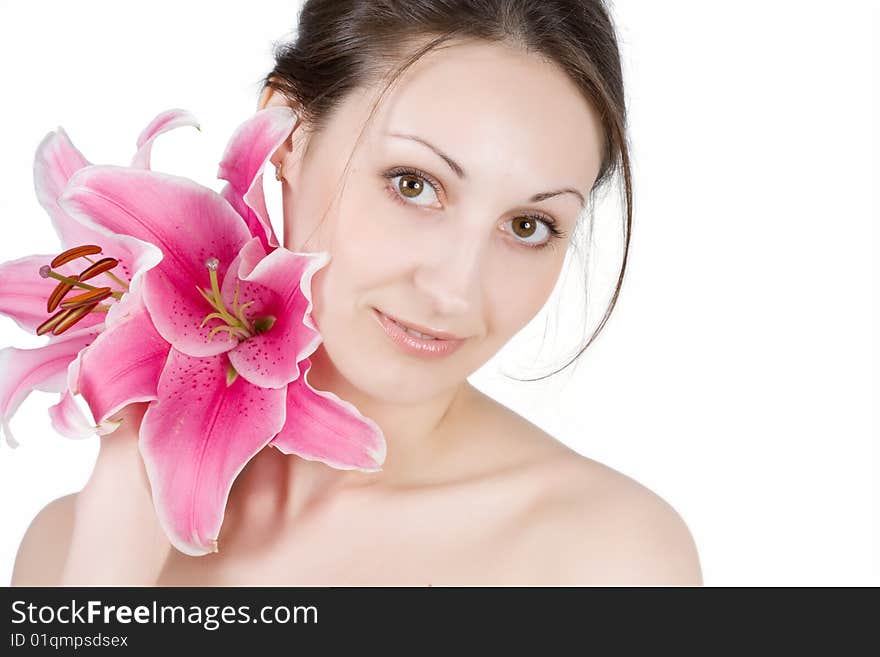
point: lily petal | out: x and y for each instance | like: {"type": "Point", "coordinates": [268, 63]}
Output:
{"type": "Point", "coordinates": [145, 257]}
{"type": "Point", "coordinates": [195, 440]}
{"type": "Point", "coordinates": [167, 120]}
{"type": "Point", "coordinates": [56, 160]}
{"type": "Point", "coordinates": [121, 366]}
{"type": "Point", "coordinates": [190, 223]}
{"type": "Point", "coordinates": [69, 420]}
{"type": "Point", "coordinates": [279, 284]}
{"type": "Point", "coordinates": [248, 150]}
{"type": "Point", "coordinates": [43, 368]}
{"type": "Point", "coordinates": [322, 427]}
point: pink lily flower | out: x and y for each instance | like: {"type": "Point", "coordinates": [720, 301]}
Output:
{"type": "Point", "coordinates": [24, 290]}
{"type": "Point", "coordinates": [218, 401]}
{"type": "Point", "coordinates": [242, 165]}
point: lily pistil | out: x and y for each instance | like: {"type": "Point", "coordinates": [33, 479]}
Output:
{"type": "Point", "coordinates": [235, 323]}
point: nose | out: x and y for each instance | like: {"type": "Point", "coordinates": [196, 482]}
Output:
{"type": "Point", "coordinates": [449, 275]}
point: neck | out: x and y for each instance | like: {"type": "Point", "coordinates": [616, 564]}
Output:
{"type": "Point", "coordinates": [417, 436]}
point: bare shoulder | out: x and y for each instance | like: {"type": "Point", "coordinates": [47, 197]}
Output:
{"type": "Point", "coordinates": [606, 528]}
{"type": "Point", "coordinates": [43, 549]}
{"type": "Point", "coordinates": [588, 523]}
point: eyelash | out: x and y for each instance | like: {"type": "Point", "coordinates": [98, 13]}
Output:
{"type": "Point", "coordinates": [550, 222]}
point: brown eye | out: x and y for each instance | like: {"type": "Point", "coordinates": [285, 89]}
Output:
{"type": "Point", "coordinates": [524, 226]}
{"type": "Point", "coordinates": [410, 186]}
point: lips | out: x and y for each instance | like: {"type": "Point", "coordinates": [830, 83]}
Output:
{"type": "Point", "coordinates": [419, 331]}
{"type": "Point", "coordinates": [403, 338]}
{"type": "Point", "coordinates": [413, 332]}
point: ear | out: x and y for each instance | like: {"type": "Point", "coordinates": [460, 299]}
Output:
{"type": "Point", "coordinates": [269, 97]}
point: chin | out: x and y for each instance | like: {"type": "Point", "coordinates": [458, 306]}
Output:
{"type": "Point", "coordinates": [376, 372]}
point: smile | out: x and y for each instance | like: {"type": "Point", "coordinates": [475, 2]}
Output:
{"type": "Point", "coordinates": [416, 342]}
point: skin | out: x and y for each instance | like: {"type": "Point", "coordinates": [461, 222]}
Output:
{"type": "Point", "coordinates": [470, 492]}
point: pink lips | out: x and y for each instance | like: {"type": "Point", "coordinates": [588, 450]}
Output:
{"type": "Point", "coordinates": [412, 344]}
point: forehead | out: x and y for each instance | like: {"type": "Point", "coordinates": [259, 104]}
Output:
{"type": "Point", "coordinates": [490, 106]}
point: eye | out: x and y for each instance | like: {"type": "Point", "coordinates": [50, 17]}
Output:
{"type": "Point", "coordinates": [526, 227]}
{"type": "Point", "coordinates": [409, 186]}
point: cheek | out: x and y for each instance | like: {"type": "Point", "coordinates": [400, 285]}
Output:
{"type": "Point", "coordinates": [518, 293]}
{"type": "Point", "coordinates": [368, 248]}
{"type": "Point", "coordinates": [358, 264]}
{"type": "Point", "coordinates": [309, 204]}
{"type": "Point", "coordinates": [302, 224]}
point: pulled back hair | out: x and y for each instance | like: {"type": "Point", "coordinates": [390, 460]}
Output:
{"type": "Point", "coordinates": [344, 45]}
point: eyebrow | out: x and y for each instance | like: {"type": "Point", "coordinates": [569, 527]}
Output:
{"type": "Point", "coordinates": [459, 171]}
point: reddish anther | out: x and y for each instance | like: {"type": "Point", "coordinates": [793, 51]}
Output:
{"type": "Point", "coordinates": [72, 317]}
{"type": "Point", "coordinates": [86, 298]}
{"type": "Point", "coordinates": [58, 294]}
{"type": "Point", "coordinates": [74, 253]}
{"type": "Point", "coordinates": [52, 322]}
{"type": "Point", "coordinates": [104, 264]}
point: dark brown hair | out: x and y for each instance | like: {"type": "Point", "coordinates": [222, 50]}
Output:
{"type": "Point", "coordinates": [343, 45]}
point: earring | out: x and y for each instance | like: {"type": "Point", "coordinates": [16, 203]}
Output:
{"type": "Point", "coordinates": [277, 172]}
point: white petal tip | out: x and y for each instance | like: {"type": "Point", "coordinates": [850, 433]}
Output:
{"type": "Point", "coordinates": [107, 426]}
{"type": "Point", "coordinates": [7, 434]}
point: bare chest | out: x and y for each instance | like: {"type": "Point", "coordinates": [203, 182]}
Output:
{"type": "Point", "coordinates": [473, 535]}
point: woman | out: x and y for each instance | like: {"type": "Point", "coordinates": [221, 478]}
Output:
{"type": "Point", "coordinates": [443, 156]}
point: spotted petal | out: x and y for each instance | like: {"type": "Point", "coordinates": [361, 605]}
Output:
{"type": "Point", "coordinates": [322, 427]}
{"type": "Point", "coordinates": [195, 440]}
{"type": "Point", "coordinates": [279, 286]}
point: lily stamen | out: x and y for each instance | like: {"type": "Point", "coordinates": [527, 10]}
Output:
{"type": "Point", "coordinates": [74, 308]}
{"type": "Point", "coordinates": [74, 253]}
{"type": "Point", "coordinates": [58, 294]}
{"type": "Point", "coordinates": [73, 316]}
{"type": "Point", "coordinates": [87, 298]}
{"type": "Point", "coordinates": [46, 272]}
{"type": "Point", "coordinates": [64, 319]}
{"type": "Point", "coordinates": [235, 323]}
{"type": "Point", "coordinates": [103, 266]}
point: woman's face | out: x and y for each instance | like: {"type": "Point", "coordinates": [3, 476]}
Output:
{"type": "Point", "coordinates": [457, 245]}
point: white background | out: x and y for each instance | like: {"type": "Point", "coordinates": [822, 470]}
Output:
{"type": "Point", "coordinates": [733, 378]}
